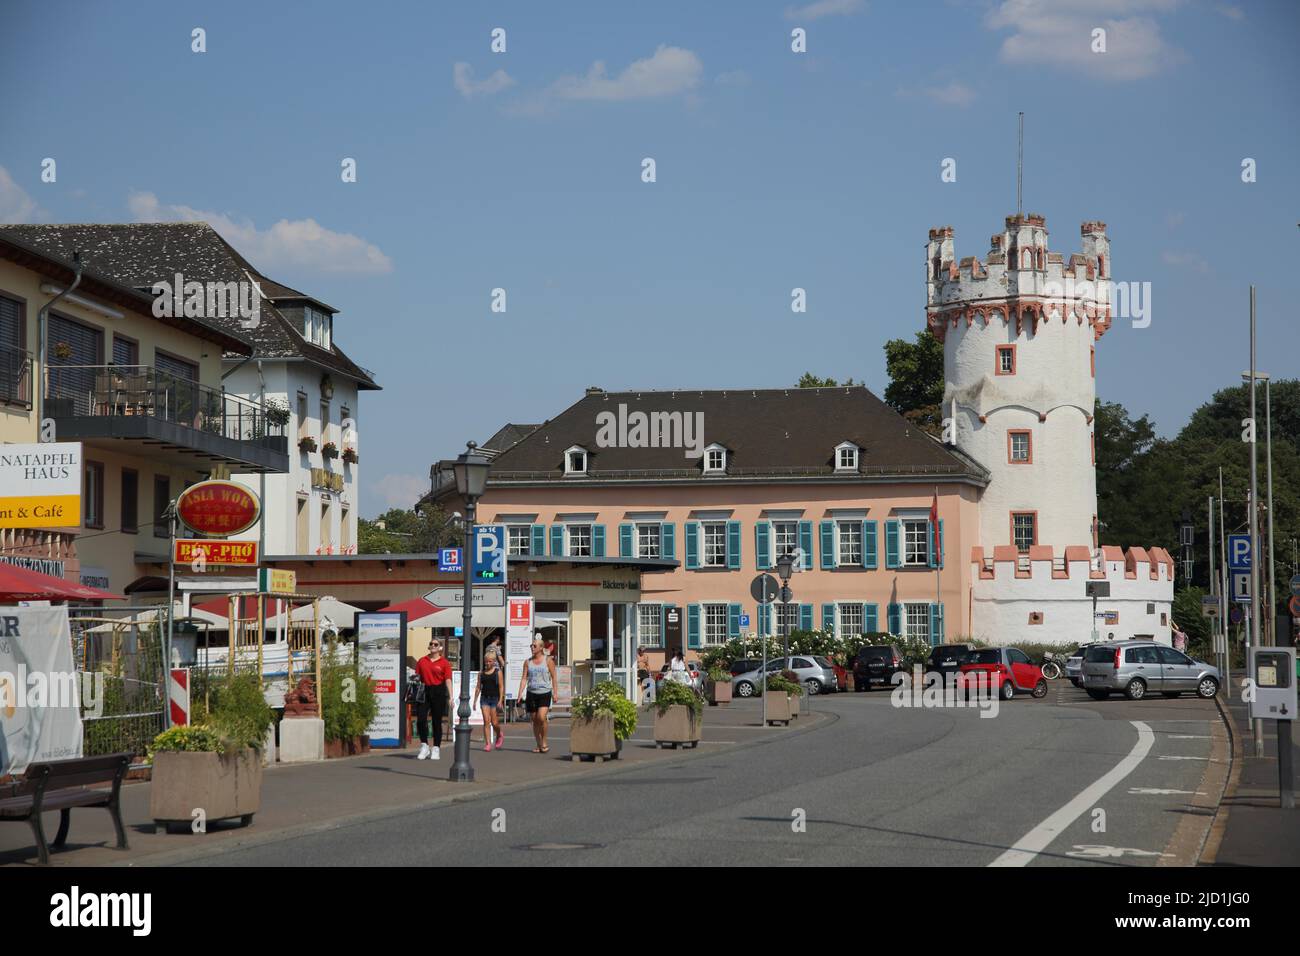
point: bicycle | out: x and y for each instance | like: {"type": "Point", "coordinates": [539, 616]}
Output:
{"type": "Point", "coordinates": [1051, 667]}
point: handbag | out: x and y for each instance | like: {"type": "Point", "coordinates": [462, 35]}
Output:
{"type": "Point", "coordinates": [415, 692]}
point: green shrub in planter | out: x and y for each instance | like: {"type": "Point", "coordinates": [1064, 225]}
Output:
{"type": "Point", "coordinates": [607, 700]}
{"type": "Point", "coordinates": [347, 697]}
{"type": "Point", "coordinates": [189, 739]}
{"type": "Point", "coordinates": [782, 683]}
{"type": "Point", "coordinates": [674, 692]}
{"type": "Point", "coordinates": [235, 708]}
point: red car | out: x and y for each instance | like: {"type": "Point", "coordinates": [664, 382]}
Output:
{"type": "Point", "coordinates": [1007, 669]}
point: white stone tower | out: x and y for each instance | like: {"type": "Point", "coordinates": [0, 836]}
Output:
{"type": "Point", "coordinates": [1019, 369]}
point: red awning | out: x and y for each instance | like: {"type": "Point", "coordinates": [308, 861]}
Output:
{"type": "Point", "coordinates": [246, 607]}
{"type": "Point", "coordinates": [415, 608]}
{"type": "Point", "coordinates": [21, 584]}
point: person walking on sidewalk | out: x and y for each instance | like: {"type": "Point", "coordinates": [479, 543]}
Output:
{"type": "Point", "coordinates": [539, 679]}
{"type": "Point", "coordinates": [644, 678]}
{"type": "Point", "coordinates": [434, 672]}
{"type": "Point", "coordinates": [487, 695]}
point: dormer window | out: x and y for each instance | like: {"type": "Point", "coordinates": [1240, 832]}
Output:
{"type": "Point", "coordinates": [575, 461]}
{"type": "Point", "coordinates": [846, 457]}
{"type": "Point", "coordinates": [317, 326]}
{"type": "Point", "coordinates": [715, 460]}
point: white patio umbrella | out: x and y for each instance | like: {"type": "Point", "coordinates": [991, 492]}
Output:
{"type": "Point", "coordinates": [151, 615]}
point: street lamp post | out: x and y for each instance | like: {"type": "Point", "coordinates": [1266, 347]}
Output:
{"type": "Point", "coordinates": [471, 471]}
{"type": "Point", "coordinates": [784, 567]}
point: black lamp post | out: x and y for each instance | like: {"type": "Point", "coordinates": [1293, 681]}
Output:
{"type": "Point", "coordinates": [471, 471]}
{"type": "Point", "coordinates": [784, 567]}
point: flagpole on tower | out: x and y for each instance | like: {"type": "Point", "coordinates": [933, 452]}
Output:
{"type": "Point", "coordinates": [1020, 161]}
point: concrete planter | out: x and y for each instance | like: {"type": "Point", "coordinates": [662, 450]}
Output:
{"type": "Point", "coordinates": [221, 785]}
{"type": "Point", "coordinates": [677, 726]}
{"type": "Point", "coordinates": [779, 707]}
{"type": "Point", "coordinates": [593, 738]}
{"type": "Point", "coordinates": [719, 693]}
{"type": "Point", "coordinates": [794, 705]}
{"type": "Point", "coordinates": [347, 748]}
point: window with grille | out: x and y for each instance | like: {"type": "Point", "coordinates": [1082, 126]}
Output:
{"type": "Point", "coordinates": [715, 544]}
{"type": "Point", "coordinates": [520, 539]}
{"type": "Point", "coordinates": [715, 624]}
{"type": "Point", "coordinates": [850, 620]}
{"type": "Point", "coordinates": [579, 540]}
{"type": "Point", "coordinates": [647, 626]}
{"type": "Point", "coordinates": [787, 618]}
{"type": "Point", "coordinates": [1019, 447]}
{"type": "Point", "coordinates": [916, 543]}
{"type": "Point", "coordinates": [849, 543]}
{"type": "Point", "coordinates": [916, 622]}
{"type": "Point", "coordinates": [648, 540]}
{"type": "Point", "coordinates": [1023, 530]}
{"type": "Point", "coordinates": [785, 538]}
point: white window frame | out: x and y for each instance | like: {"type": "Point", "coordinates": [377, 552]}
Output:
{"type": "Point", "coordinates": [920, 632]}
{"type": "Point", "coordinates": [512, 530]}
{"type": "Point", "coordinates": [717, 611]}
{"type": "Point", "coordinates": [924, 559]}
{"type": "Point", "coordinates": [644, 547]}
{"type": "Point", "coordinates": [568, 539]}
{"type": "Point", "coordinates": [849, 449]}
{"type": "Point", "coordinates": [842, 627]}
{"type": "Point", "coordinates": [785, 618]}
{"type": "Point", "coordinates": [648, 618]}
{"type": "Point", "coordinates": [1027, 437]}
{"type": "Point", "coordinates": [842, 558]}
{"type": "Point", "coordinates": [709, 453]}
{"type": "Point", "coordinates": [568, 462]}
{"type": "Point", "coordinates": [705, 527]}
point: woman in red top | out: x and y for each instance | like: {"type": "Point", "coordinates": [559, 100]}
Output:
{"type": "Point", "coordinates": [434, 671]}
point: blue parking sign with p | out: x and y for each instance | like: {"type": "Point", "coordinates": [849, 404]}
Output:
{"type": "Point", "coordinates": [489, 555]}
{"type": "Point", "coordinates": [1238, 552]}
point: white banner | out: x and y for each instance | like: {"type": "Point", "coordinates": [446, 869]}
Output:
{"type": "Point", "coordinates": [475, 713]}
{"type": "Point", "coordinates": [519, 634]}
{"type": "Point", "coordinates": [379, 652]}
{"type": "Point", "coordinates": [40, 691]}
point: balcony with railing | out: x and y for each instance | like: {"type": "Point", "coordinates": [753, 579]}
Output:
{"type": "Point", "coordinates": [139, 403]}
{"type": "Point", "coordinates": [15, 377]}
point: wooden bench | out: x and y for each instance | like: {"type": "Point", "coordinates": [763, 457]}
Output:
{"type": "Point", "coordinates": [61, 785]}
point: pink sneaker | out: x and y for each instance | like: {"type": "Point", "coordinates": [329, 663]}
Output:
{"type": "Point", "coordinates": [487, 748]}
{"type": "Point", "coordinates": [500, 741]}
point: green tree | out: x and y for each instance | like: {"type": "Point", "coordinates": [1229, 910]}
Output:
{"type": "Point", "coordinates": [809, 380]}
{"type": "Point", "coordinates": [402, 531]}
{"type": "Point", "coordinates": [915, 387]}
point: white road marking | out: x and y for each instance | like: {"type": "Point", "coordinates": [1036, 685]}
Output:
{"type": "Point", "coordinates": [1158, 792]}
{"type": "Point", "coordinates": [1182, 758]}
{"type": "Point", "coordinates": [1189, 736]}
{"type": "Point", "coordinates": [1040, 837]}
{"type": "Point", "coordinates": [1099, 851]}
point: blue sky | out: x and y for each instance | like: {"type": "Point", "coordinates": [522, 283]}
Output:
{"type": "Point", "coordinates": [522, 170]}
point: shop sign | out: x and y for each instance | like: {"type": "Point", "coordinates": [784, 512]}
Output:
{"type": "Point", "coordinates": [218, 508]}
{"type": "Point", "coordinates": [216, 553]}
{"type": "Point", "coordinates": [40, 485]}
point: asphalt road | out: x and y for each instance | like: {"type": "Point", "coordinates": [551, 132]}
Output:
{"type": "Point", "coordinates": [1062, 781]}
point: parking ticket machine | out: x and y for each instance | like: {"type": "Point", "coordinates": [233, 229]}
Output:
{"type": "Point", "coordinates": [1273, 671]}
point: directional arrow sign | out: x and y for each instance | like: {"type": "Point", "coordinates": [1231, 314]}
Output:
{"type": "Point", "coordinates": [486, 596]}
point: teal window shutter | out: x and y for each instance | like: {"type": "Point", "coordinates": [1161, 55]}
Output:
{"type": "Point", "coordinates": [764, 620]}
{"type": "Point", "coordinates": [806, 544]}
{"type": "Point", "coordinates": [537, 546]}
{"type": "Point", "coordinates": [805, 617]}
{"type": "Point", "coordinates": [733, 620]}
{"type": "Point", "coordinates": [870, 618]}
{"type": "Point", "coordinates": [892, 533]}
{"type": "Point", "coordinates": [692, 545]}
{"type": "Point", "coordinates": [828, 618]}
{"type": "Point", "coordinates": [668, 541]}
{"type": "Point", "coordinates": [626, 547]}
{"type": "Point", "coordinates": [762, 545]}
{"type": "Point", "coordinates": [929, 543]}
{"type": "Point", "coordinates": [870, 554]}
{"type": "Point", "coordinates": [692, 625]}
{"type": "Point", "coordinates": [940, 542]}
{"type": "Point", "coordinates": [557, 540]}
{"type": "Point", "coordinates": [896, 619]}
{"type": "Point", "coordinates": [936, 625]}
{"type": "Point", "coordinates": [733, 545]}
{"type": "Point", "coordinates": [598, 541]}
{"type": "Point", "coordinates": [828, 545]}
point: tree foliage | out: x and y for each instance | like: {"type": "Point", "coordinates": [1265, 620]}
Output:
{"type": "Point", "coordinates": [809, 380]}
{"type": "Point", "coordinates": [915, 387]}
{"type": "Point", "coordinates": [407, 532]}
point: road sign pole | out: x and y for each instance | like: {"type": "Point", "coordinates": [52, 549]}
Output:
{"type": "Point", "coordinates": [1253, 518]}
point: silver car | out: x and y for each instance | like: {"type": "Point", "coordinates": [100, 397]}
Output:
{"type": "Point", "coordinates": [814, 672]}
{"type": "Point", "coordinates": [1138, 668]}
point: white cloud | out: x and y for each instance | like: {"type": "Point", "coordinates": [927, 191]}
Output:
{"type": "Point", "coordinates": [732, 78]}
{"type": "Point", "coordinates": [824, 8]}
{"type": "Point", "coordinates": [1231, 12]}
{"type": "Point", "coordinates": [462, 77]}
{"type": "Point", "coordinates": [298, 244]}
{"type": "Point", "coordinates": [1059, 33]}
{"type": "Point", "coordinates": [953, 94]}
{"type": "Point", "coordinates": [15, 204]}
{"type": "Point", "coordinates": [670, 71]}
{"type": "Point", "coordinates": [1185, 260]}
{"type": "Point", "coordinates": [401, 491]}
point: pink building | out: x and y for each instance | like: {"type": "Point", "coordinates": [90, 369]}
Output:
{"type": "Point", "coordinates": [723, 483]}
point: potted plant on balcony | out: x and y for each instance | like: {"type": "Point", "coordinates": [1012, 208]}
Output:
{"type": "Point", "coordinates": [350, 455]}
{"type": "Point", "coordinates": [678, 715]}
{"type": "Point", "coordinates": [348, 706]}
{"type": "Point", "coordinates": [781, 694]}
{"type": "Point", "coordinates": [306, 443]}
{"type": "Point", "coordinates": [213, 766]}
{"type": "Point", "coordinates": [329, 450]}
{"type": "Point", "coordinates": [719, 685]}
{"type": "Point", "coordinates": [277, 413]}
{"type": "Point", "coordinates": [602, 720]}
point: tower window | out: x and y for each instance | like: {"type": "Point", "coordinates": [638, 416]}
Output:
{"type": "Point", "coordinates": [1024, 529]}
{"type": "Point", "coordinates": [1020, 448]}
{"type": "Point", "coordinates": [1006, 364]}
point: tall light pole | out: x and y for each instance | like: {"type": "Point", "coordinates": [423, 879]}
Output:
{"type": "Point", "coordinates": [1253, 517]}
{"type": "Point", "coordinates": [1268, 470]}
{"type": "Point", "coordinates": [784, 567]}
{"type": "Point", "coordinates": [471, 471]}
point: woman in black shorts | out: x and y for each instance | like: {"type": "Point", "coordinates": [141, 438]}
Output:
{"type": "Point", "coordinates": [539, 680]}
{"type": "Point", "coordinates": [487, 696]}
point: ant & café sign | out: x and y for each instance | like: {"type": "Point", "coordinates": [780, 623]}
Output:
{"type": "Point", "coordinates": [40, 485]}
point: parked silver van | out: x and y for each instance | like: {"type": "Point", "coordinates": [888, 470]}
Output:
{"type": "Point", "coordinates": [1137, 668]}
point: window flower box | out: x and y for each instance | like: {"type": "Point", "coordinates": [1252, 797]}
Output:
{"type": "Point", "coordinates": [350, 455]}
{"type": "Point", "coordinates": [307, 443]}
{"type": "Point", "coordinates": [329, 450]}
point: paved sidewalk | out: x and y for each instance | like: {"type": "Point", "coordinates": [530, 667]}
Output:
{"type": "Point", "coordinates": [304, 797]}
{"type": "Point", "coordinates": [1252, 829]}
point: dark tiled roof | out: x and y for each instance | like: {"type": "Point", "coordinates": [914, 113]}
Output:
{"type": "Point", "coordinates": [768, 433]}
{"type": "Point", "coordinates": [507, 437]}
{"type": "Point", "coordinates": [142, 253]}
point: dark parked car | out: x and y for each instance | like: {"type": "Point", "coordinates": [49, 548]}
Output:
{"type": "Point", "coordinates": [876, 664]}
{"type": "Point", "coordinates": [947, 658]}
{"type": "Point", "coordinates": [746, 665]}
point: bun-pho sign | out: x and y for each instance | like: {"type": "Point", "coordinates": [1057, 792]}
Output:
{"type": "Point", "coordinates": [218, 508]}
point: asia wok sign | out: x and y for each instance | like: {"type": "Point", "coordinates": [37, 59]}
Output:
{"type": "Point", "coordinates": [218, 508]}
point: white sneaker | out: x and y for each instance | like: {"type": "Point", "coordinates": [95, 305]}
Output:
{"type": "Point", "coordinates": [424, 752]}
{"type": "Point", "coordinates": [435, 753]}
